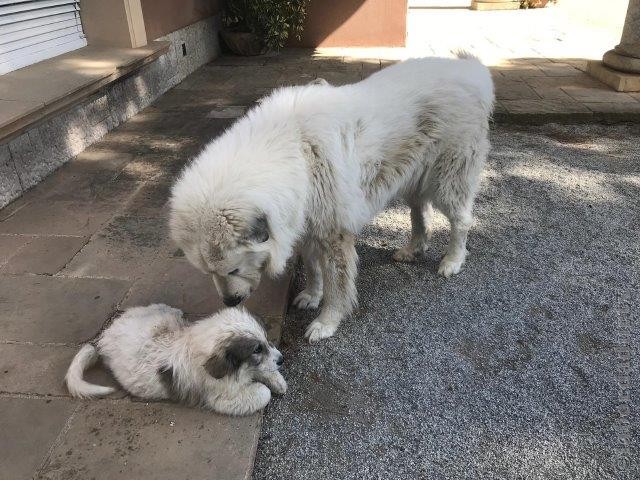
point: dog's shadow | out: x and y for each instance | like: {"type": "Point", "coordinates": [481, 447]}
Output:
{"type": "Point", "coordinates": [372, 257]}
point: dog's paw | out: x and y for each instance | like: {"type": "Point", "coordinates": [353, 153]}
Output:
{"type": "Point", "coordinates": [318, 330]}
{"type": "Point", "coordinates": [449, 267]}
{"type": "Point", "coordinates": [307, 301]}
{"type": "Point", "coordinates": [278, 384]}
{"type": "Point", "coordinates": [405, 254]}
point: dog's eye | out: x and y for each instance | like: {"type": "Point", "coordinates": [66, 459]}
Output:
{"type": "Point", "coordinates": [233, 272]}
{"type": "Point", "coordinates": [258, 349]}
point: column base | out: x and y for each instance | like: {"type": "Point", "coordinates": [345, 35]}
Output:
{"type": "Point", "coordinates": [620, 62]}
{"type": "Point", "coordinates": [619, 81]}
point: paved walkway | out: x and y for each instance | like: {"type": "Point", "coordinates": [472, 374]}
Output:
{"type": "Point", "coordinates": [506, 371]}
{"type": "Point", "coordinates": [568, 30]}
{"type": "Point", "coordinates": [538, 58]}
{"type": "Point", "coordinates": [88, 242]}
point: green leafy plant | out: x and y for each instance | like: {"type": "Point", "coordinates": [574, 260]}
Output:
{"type": "Point", "coordinates": [271, 20]}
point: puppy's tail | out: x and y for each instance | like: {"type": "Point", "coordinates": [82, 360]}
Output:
{"type": "Point", "coordinates": [87, 356]}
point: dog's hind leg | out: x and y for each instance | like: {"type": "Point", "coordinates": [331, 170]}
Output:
{"type": "Point", "coordinates": [421, 215]}
{"type": "Point", "coordinates": [339, 269]}
{"type": "Point", "coordinates": [454, 196]}
{"type": "Point", "coordinates": [310, 297]}
{"type": "Point", "coordinates": [456, 254]}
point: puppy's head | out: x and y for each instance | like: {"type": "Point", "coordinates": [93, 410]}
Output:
{"type": "Point", "coordinates": [230, 244]}
{"type": "Point", "coordinates": [242, 349]}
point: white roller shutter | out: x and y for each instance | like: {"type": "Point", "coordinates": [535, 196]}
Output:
{"type": "Point", "coordinates": [34, 30]}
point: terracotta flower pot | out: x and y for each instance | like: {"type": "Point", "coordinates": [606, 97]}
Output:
{"type": "Point", "coordinates": [538, 3]}
{"type": "Point", "coordinates": [243, 43]}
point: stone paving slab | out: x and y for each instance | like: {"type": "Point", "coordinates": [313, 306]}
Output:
{"type": "Point", "coordinates": [124, 248]}
{"type": "Point", "coordinates": [40, 370]}
{"type": "Point", "coordinates": [10, 245]}
{"type": "Point", "coordinates": [123, 440]}
{"type": "Point", "coordinates": [44, 217]}
{"type": "Point", "coordinates": [177, 283]}
{"type": "Point", "coordinates": [43, 309]}
{"type": "Point", "coordinates": [44, 255]}
{"type": "Point", "coordinates": [28, 427]}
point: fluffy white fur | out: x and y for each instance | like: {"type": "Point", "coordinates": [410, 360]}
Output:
{"type": "Point", "coordinates": [223, 362]}
{"type": "Point", "coordinates": [311, 165]}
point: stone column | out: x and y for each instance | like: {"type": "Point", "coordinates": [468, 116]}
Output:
{"type": "Point", "coordinates": [626, 56]}
{"type": "Point", "coordinates": [620, 67]}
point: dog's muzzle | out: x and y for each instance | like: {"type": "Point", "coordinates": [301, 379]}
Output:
{"type": "Point", "coordinates": [232, 301]}
{"type": "Point", "coordinates": [280, 360]}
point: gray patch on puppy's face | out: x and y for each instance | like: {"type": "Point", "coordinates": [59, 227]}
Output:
{"type": "Point", "coordinates": [237, 351]}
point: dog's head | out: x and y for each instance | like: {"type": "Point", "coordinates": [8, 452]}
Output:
{"type": "Point", "coordinates": [242, 348]}
{"type": "Point", "coordinates": [232, 245]}
{"type": "Point", "coordinates": [238, 209]}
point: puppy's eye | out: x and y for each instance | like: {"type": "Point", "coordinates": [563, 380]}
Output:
{"type": "Point", "coordinates": [258, 349]}
{"type": "Point", "coordinates": [233, 272]}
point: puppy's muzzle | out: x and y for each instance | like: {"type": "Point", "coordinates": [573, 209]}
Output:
{"type": "Point", "coordinates": [232, 301]}
{"type": "Point", "coordinates": [280, 360]}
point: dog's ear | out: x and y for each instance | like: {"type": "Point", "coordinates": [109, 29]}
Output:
{"type": "Point", "coordinates": [166, 378]}
{"type": "Point", "coordinates": [259, 230]}
{"type": "Point", "coordinates": [229, 360]}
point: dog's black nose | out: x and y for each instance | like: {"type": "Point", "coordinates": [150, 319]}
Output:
{"type": "Point", "coordinates": [280, 360]}
{"type": "Point", "coordinates": [232, 301]}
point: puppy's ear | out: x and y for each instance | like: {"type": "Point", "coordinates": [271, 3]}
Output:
{"type": "Point", "coordinates": [228, 361]}
{"type": "Point", "coordinates": [166, 378]}
{"type": "Point", "coordinates": [259, 230]}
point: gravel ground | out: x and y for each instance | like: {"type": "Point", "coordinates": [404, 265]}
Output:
{"type": "Point", "coordinates": [509, 370]}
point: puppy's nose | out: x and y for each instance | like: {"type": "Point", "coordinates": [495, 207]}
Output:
{"type": "Point", "coordinates": [232, 301]}
{"type": "Point", "coordinates": [280, 360]}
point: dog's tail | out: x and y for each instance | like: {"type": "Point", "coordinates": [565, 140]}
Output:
{"type": "Point", "coordinates": [461, 53]}
{"type": "Point", "coordinates": [86, 357]}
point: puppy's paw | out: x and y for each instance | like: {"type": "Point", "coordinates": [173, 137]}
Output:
{"type": "Point", "coordinates": [278, 384]}
{"type": "Point", "coordinates": [307, 301]}
{"type": "Point", "coordinates": [449, 267]}
{"type": "Point", "coordinates": [318, 330]}
{"type": "Point", "coordinates": [405, 254]}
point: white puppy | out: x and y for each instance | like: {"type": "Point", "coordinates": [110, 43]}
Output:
{"type": "Point", "coordinates": [311, 165]}
{"type": "Point", "coordinates": [223, 362]}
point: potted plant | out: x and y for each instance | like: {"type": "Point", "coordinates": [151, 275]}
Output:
{"type": "Point", "coordinates": [251, 27]}
{"type": "Point", "coordinates": [534, 3]}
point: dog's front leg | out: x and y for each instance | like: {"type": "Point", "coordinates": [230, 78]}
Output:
{"type": "Point", "coordinates": [243, 400]}
{"type": "Point", "coordinates": [275, 381]}
{"type": "Point", "coordinates": [339, 269]}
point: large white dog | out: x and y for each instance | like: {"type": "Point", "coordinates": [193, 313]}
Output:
{"type": "Point", "coordinates": [311, 165]}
